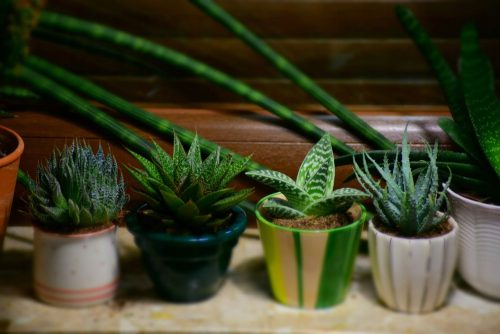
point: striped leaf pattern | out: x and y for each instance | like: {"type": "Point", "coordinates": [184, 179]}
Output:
{"type": "Point", "coordinates": [340, 200]}
{"type": "Point", "coordinates": [312, 194]}
{"type": "Point", "coordinates": [279, 208]}
{"type": "Point", "coordinates": [297, 197]}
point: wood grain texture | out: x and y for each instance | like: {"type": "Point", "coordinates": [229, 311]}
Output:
{"type": "Point", "coordinates": [241, 128]}
{"type": "Point", "coordinates": [288, 18]}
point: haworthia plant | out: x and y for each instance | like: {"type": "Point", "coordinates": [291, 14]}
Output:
{"type": "Point", "coordinates": [78, 188]}
{"type": "Point", "coordinates": [353, 122]}
{"type": "Point", "coordinates": [187, 193]}
{"type": "Point", "coordinates": [62, 23]}
{"type": "Point", "coordinates": [152, 121]}
{"type": "Point", "coordinates": [405, 204]}
{"type": "Point", "coordinates": [312, 193]}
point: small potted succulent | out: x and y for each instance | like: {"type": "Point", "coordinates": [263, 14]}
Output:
{"type": "Point", "coordinates": [475, 128]}
{"type": "Point", "coordinates": [75, 201]}
{"type": "Point", "coordinates": [191, 221]}
{"type": "Point", "coordinates": [11, 148]}
{"type": "Point", "coordinates": [310, 233]}
{"type": "Point", "coordinates": [413, 247]}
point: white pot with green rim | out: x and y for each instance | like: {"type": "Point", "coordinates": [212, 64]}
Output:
{"type": "Point", "coordinates": [479, 261]}
{"type": "Point", "coordinates": [76, 270]}
{"type": "Point", "coordinates": [310, 268]}
{"type": "Point", "coordinates": [412, 274]}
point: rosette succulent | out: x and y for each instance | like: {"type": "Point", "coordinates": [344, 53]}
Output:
{"type": "Point", "coordinates": [186, 193]}
{"type": "Point", "coordinates": [404, 204]}
{"type": "Point", "coordinates": [77, 188]}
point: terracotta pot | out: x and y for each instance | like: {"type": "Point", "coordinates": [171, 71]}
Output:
{"type": "Point", "coordinates": [479, 262]}
{"type": "Point", "coordinates": [310, 268]}
{"type": "Point", "coordinates": [412, 275]}
{"type": "Point", "coordinates": [75, 270]}
{"type": "Point", "coordinates": [11, 148]}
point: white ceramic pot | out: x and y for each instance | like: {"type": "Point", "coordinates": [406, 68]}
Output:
{"type": "Point", "coordinates": [76, 270]}
{"type": "Point", "coordinates": [412, 275]}
{"type": "Point", "coordinates": [479, 262]}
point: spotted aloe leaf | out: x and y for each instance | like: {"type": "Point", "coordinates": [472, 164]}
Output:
{"type": "Point", "coordinates": [317, 171]}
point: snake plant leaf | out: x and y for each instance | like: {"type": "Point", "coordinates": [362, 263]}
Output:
{"type": "Point", "coordinates": [447, 79]}
{"type": "Point", "coordinates": [461, 138]}
{"type": "Point", "coordinates": [483, 105]}
{"type": "Point", "coordinates": [338, 201]}
{"type": "Point", "coordinates": [278, 208]}
{"type": "Point", "coordinates": [297, 197]}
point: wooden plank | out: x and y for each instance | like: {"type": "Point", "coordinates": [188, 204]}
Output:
{"type": "Point", "coordinates": [197, 91]}
{"type": "Point", "coordinates": [287, 18]}
{"type": "Point", "coordinates": [241, 128]}
{"type": "Point", "coordinates": [319, 58]}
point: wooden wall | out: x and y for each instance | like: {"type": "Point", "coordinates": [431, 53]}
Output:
{"type": "Point", "coordinates": [355, 49]}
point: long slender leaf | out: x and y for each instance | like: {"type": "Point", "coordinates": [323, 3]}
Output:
{"type": "Point", "coordinates": [356, 124]}
{"type": "Point", "coordinates": [116, 37]}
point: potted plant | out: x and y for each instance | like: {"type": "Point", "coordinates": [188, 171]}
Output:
{"type": "Point", "coordinates": [191, 221]}
{"type": "Point", "coordinates": [413, 247]}
{"type": "Point", "coordinates": [310, 233]}
{"type": "Point", "coordinates": [74, 201]}
{"type": "Point", "coordinates": [475, 128]}
{"type": "Point", "coordinates": [11, 148]}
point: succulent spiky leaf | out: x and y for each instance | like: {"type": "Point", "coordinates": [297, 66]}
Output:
{"type": "Point", "coordinates": [297, 197]}
{"type": "Point", "coordinates": [315, 158]}
{"type": "Point", "coordinates": [279, 209]}
{"type": "Point", "coordinates": [230, 201]}
{"type": "Point", "coordinates": [337, 202]}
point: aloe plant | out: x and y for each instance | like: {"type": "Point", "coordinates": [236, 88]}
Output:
{"type": "Point", "coordinates": [312, 193]}
{"type": "Point", "coordinates": [185, 193]}
{"type": "Point", "coordinates": [404, 204]}
{"type": "Point", "coordinates": [471, 97]}
{"type": "Point", "coordinates": [76, 188]}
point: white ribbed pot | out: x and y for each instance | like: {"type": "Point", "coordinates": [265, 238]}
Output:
{"type": "Point", "coordinates": [412, 275]}
{"type": "Point", "coordinates": [479, 262]}
{"type": "Point", "coordinates": [75, 270]}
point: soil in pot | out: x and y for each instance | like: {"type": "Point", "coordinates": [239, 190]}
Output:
{"type": "Point", "coordinates": [441, 229]}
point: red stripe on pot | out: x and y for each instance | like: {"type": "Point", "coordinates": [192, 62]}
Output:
{"type": "Point", "coordinates": [42, 286]}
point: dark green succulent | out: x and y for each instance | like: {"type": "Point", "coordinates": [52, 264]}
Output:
{"type": "Point", "coordinates": [186, 193]}
{"type": "Point", "coordinates": [405, 204]}
{"type": "Point", "coordinates": [77, 188]}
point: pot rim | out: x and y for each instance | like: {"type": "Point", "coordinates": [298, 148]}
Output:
{"type": "Point", "coordinates": [452, 220]}
{"type": "Point", "coordinates": [14, 154]}
{"type": "Point", "coordinates": [262, 219]}
{"type": "Point", "coordinates": [233, 231]}
{"type": "Point", "coordinates": [76, 235]}
{"type": "Point", "coordinates": [471, 201]}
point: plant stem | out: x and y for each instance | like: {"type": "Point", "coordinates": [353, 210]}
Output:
{"type": "Point", "coordinates": [354, 122]}
{"type": "Point", "coordinates": [17, 92]}
{"type": "Point", "coordinates": [49, 88]}
{"type": "Point", "coordinates": [92, 91]}
{"type": "Point", "coordinates": [100, 32]}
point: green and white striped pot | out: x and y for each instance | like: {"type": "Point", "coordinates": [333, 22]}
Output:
{"type": "Point", "coordinates": [310, 268]}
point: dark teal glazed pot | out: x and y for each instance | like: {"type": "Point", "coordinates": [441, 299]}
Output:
{"type": "Point", "coordinates": [187, 268]}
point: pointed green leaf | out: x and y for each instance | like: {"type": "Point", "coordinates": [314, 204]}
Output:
{"type": "Point", "coordinates": [297, 197]}
{"type": "Point", "coordinates": [230, 201]}
{"type": "Point", "coordinates": [338, 202]}
{"type": "Point", "coordinates": [278, 209]}
{"type": "Point", "coordinates": [315, 158]}
{"type": "Point", "coordinates": [205, 203]}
